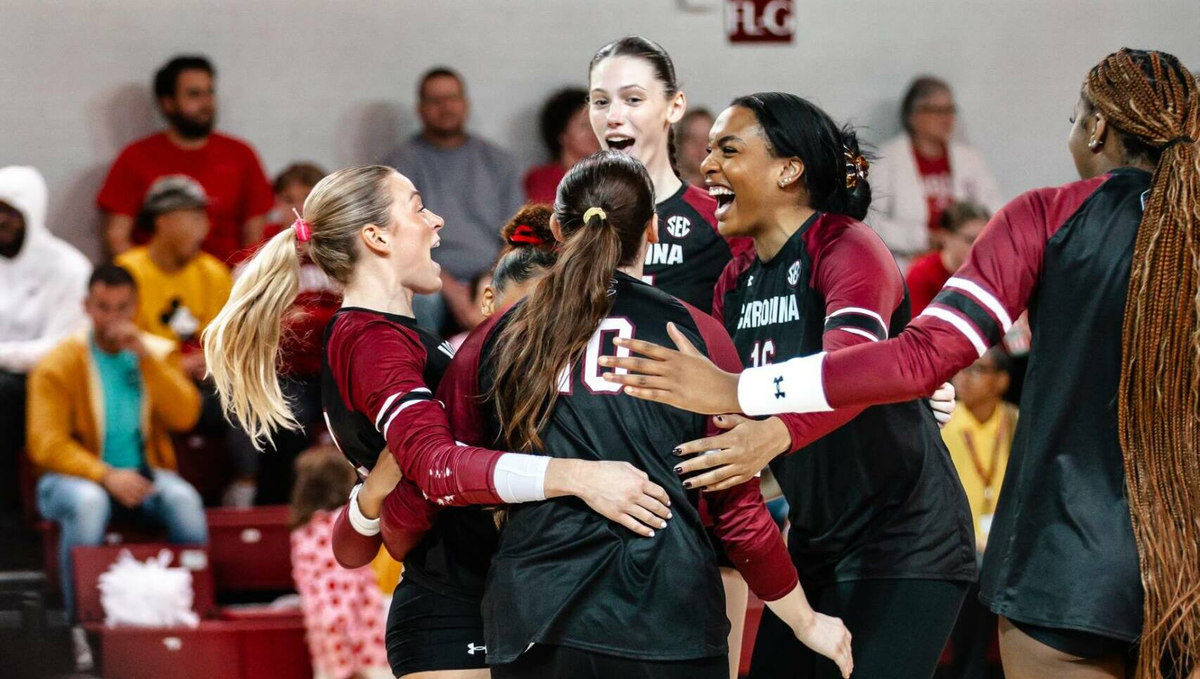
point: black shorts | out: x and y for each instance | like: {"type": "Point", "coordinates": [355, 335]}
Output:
{"type": "Point", "coordinates": [429, 631]}
{"type": "Point", "coordinates": [1076, 642]}
{"type": "Point", "coordinates": [545, 661]}
{"type": "Point", "coordinates": [900, 628]}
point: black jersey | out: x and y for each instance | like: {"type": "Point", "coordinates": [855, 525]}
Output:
{"type": "Point", "coordinates": [1061, 552]}
{"type": "Point", "coordinates": [378, 374]}
{"type": "Point", "coordinates": [878, 497]}
{"type": "Point", "coordinates": [691, 253]}
{"type": "Point", "coordinates": [563, 574]}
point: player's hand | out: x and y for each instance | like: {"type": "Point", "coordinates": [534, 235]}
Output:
{"type": "Point", "coordinates": [126, 486]}
{"type": "Point", "coordinates": [685, 378]}
{"type": "Point", "coordinates": [829, 637]}
{"type": "Point", "coordinates": [942, 403]}
{"type": "Point", "coordinates": [383, 478]}
{"type": "Point", "coordinates": [623, 493]}
{"type": "Point", "coordinates": [736, 456]}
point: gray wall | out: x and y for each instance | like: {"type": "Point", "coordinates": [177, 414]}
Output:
{"type": "Point", "coordinates": [333, 81]}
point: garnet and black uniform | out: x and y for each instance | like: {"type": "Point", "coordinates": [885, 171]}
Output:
{"type": "Point", "coordinates": [377, 377]}
{"type": "Point", "coordinates": [568, 578]}
{"type": "Point", "coordinates": [690, 254]}
{"type": "Point", "coordinates": [877, 498]}
{"type": "Point", "coordinates": [1061, 552]}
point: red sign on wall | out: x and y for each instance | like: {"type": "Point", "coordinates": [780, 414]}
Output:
{"type": "Point", "coordinates": [759, 21]}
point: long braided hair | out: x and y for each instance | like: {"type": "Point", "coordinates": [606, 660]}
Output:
{"type": "Point", "coordinates": [1151, 101]}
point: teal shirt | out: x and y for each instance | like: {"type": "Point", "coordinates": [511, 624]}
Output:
{"type": "Point", "coordinates": [121, 379]}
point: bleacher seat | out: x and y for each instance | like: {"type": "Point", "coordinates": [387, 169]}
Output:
{"type": "Point", "coordinates": [242, 643]}
{"type": "Point", "coordinates": [251, 548]}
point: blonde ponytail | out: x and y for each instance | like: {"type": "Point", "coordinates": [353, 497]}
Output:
{"type": "Point", "coordinates": [241, 343]}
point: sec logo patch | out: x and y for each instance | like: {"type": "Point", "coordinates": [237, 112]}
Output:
{"type": "Point", "coordinates": [679, 226]}
{"type": "Point", "coordinates": [794, 273]}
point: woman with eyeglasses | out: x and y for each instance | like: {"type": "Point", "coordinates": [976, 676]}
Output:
{"type": "Point", "coordinates": [922, 170]}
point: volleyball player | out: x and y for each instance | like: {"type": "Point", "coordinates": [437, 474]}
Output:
{"type": "Point", "coordinates": [367, 228]}
{"type": "Point", "coordinates": [879, 521]}
{"type": "Point", "coordinates": [1107, 268]}
{"type": "Point", "coordinates": [592, 602]}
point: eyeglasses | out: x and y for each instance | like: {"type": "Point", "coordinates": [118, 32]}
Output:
{"type": "Point", "coordinates": [978, 369]}
{"type": "Point", "coordinates": [948, 110]}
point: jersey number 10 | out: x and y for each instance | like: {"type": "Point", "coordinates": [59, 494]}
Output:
{"type": "Point", "coordinates": [762, 353]}
{"type": "Point", "coordinates": [592, 377]}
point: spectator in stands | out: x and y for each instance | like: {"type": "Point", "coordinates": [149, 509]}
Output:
{"type": "Point", "coordinates": [182, 288]}
{"type": "Point", "coordinates": [961, 223]}
{"type": "Point", "coordinates": [692, 136]}
{"type": "Point", "coordinates": [43, 281]}
{"type": "Point", "coordinates": [979, 437]}
{"type": "Point", "coordinates": [102, 404]}
{"type": "Point", "coordinates": [567, 134]}
{"type": "Point", "coordinates": [470, 182]}
{"type": "Point", "coordinates": [266, 478]}
{"type": "Point", "coordinates": [922, 170]}
{"type": "Point", "coordinates": [343, 608]}
{"type": "Point", "coordinates": [227, 167]}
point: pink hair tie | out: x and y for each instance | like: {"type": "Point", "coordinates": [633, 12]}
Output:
{"type": "Point", "coordinates": [303, 230]}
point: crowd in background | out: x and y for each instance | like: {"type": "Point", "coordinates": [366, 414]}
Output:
{"type": "Point", "coordinates": [103, 363]}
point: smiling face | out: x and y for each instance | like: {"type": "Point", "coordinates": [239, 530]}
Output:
{"type": "Point", "coordinates": [415, 231]}
{"type": "Point", "coordinates": [742, 174]}
{"type": "Point", "coordinates": [629, 108]}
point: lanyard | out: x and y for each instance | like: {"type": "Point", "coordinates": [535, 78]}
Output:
{"type": "Point", "coordinates": [988, 476]}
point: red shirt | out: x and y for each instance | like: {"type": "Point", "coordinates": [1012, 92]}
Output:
{"type": "Point", "coordinates": [226, 167]}
{"type": "Point", "coordinates": [541, 182]}
{"type": "Point", "coordinates": [925, 279]}
{"type": "Point", "coordinates": [938, 184]}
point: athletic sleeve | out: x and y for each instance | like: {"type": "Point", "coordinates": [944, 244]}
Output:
{"type": "Point", "coordinates": [857, 276]}
{"type": "Point", "coordinates": [971, 313]}
{"type": "Point", "coordinates": [404, 519]}
{"type": "Point", "coordinates": [380, 370]}
{"type": "Point", "coordinates": [740, 518]}
{"type": "Point", "coordinates": [352, 549]}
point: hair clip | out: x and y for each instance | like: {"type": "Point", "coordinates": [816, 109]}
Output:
{"type": "Point", "coordinates": [857, 168]}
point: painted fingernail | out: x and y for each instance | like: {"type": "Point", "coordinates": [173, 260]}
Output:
{"type": "Point", "coordinates": [651, 534]}
{"type": "Point", "coordinates": [663, 525]}
{"type": "Point", "coordinates": [678, 469]}
{"type": "Point", "coordinates": [669, 515]}
{"type": "Point", "coordinates": [677, 450]}
{"type": "Point", "coordinates": [721, 418]}
{"type": "Point", "coordinates": [687, 484]}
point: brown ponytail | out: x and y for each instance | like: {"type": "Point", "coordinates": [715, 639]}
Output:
{"type": "Point", "coordinates": [605, 203]}
{"type": "Point", "coordinates": [1151, 101]}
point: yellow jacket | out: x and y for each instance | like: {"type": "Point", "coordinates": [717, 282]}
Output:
{"type": "Point", "coordinates": [66, 408]}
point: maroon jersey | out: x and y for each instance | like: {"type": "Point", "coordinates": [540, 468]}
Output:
{"type": "Point", "coordinates": [691, 253]}
{"type": "Point", "coordinates": [379, 371]}
{"type": "Point", "coordinates": [1061, 549]}
{"type": "Point", "coordinates": [567, 576]}
{"type": "Point", "coordinates": [872, 492]}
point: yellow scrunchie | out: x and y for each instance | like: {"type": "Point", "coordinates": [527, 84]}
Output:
{"type": "Point", "coordinates": [593, 212]}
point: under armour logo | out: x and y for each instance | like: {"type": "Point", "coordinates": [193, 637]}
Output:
{"type": "Point", "coordinates": [779, 392]}
{"type": "Point", "coordinates": [471, 648]}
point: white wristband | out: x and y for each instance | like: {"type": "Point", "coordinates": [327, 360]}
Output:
{"type": "Point", "coordinates": [361, 524]}
{"type": "Point", "coordinates": [521, 478]}
{"type": "Point", "coordinates": [793, 386]}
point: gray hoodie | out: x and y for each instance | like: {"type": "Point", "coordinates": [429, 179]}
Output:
{"type": "Point", "coordinates": [43, 287]}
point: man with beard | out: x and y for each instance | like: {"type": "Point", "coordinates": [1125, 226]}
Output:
{"type": "Point", "coordinates": [227, 168]}
{"type": "Point", "coordinates": [472, 183]}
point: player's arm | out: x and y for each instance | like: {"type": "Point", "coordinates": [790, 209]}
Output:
{"type": "Point", "coordinates": [382, 369]}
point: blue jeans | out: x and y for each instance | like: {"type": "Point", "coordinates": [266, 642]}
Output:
{"type": "Point", "coordinates": [82, 509]}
